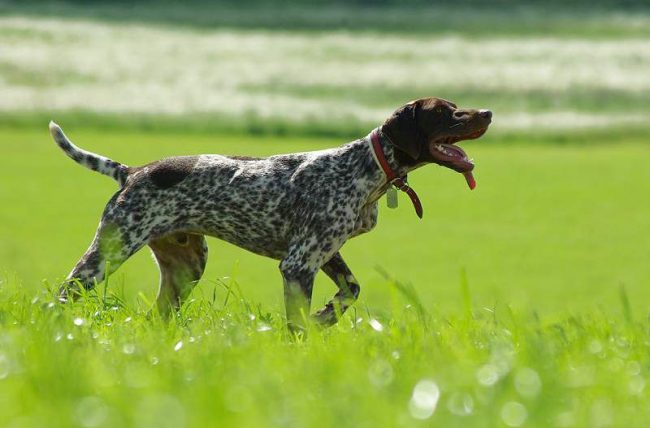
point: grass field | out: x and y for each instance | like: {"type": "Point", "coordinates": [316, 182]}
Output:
{"type": "Point", "coordinates": [539, 216]}
{"type": "Point", "coordinates": [96, 364]}
{"type": "Point", "coordinates": [524, 303]}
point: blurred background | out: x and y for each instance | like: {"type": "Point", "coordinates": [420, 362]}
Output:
{"type": "Point", "coordinates": [560, 217]}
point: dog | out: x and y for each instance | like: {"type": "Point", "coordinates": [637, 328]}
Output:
{"type": "Point", "coordinates": [297, 208]}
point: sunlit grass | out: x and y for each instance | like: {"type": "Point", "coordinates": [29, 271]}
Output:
{"type": "Point", "coordinates": [551, 226]}
{"type": "Point", "coordinates": [521, 304]}
{"type": "Point", "coordinates": [226, 362]}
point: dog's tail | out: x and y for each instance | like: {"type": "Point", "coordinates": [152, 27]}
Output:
{"type": "Point", "coordinates": [101, 164]}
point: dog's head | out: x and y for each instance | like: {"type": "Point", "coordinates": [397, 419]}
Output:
{"type": "Point", "coordinates": [425, 131]}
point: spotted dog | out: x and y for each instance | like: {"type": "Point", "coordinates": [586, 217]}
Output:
{"type": "Point", "coordinates": [298, 208]}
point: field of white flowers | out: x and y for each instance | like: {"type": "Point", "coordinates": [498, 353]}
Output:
{"type": "Point", "coordinates": [56, 64]}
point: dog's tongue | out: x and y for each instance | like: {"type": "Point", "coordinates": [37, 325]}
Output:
{"type": "Point", "coordinates": [470, 179]}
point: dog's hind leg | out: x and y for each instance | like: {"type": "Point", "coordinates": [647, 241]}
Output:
{"type": "Point", "coordinates": [348, 292]}
{"type": "Point", "coordinates": [181, 258]}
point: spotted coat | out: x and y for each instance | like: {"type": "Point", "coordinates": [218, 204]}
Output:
{"type": "Point", "coordinates": [298, 208]}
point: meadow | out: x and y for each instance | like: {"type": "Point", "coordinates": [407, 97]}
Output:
{"type": "Point", "coordinates": [522, 303]}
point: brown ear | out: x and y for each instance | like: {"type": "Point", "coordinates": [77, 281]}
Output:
{"type": "Point", "coordinates": [402, 129]}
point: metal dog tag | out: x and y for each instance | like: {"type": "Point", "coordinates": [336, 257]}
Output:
{"type": "Point", "coordinates": [391, 197]}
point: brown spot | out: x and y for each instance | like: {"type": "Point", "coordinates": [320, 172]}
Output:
{"type": "Point", "coordinates": [167, 172]}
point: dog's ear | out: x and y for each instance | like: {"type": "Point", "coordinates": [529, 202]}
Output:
{"type": "Point", "coordinates": [402, 129]}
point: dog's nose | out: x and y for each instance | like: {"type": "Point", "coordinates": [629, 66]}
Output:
{"type": "Point", "coordinates": [485, 114]}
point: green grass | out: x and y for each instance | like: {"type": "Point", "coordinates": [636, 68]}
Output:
{"type": "Point", "coordinates": [227, 362]}
{"type": "Point", "coordinates": [547, 224]}
{"type": "Point", "coordinates": [525, 302]}
{"type": "Point", "coordinates": [550, 227]}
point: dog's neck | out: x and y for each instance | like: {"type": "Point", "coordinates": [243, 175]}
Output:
{"type": "Point", "coordinates": [392, 177]}
{"type": "Point", "coordinates": [400, 163]}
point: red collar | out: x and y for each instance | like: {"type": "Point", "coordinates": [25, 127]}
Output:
{"type": "Point", "coordinates": [393, 179]}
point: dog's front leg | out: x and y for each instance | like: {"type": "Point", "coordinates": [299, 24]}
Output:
{"type": "Point", "coordinates": [299, 268]}
{"type": "Point", "coordinates": [304, 259]}
{"type": "Point", "coordinates": [298, 285]}
{"type": "Point", "coordinates": [349, 289]}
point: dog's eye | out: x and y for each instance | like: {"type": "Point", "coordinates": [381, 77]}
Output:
{"type": "Point", "coordinates": [438, 109]}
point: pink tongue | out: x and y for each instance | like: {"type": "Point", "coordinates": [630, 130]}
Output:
{"type": "Point", "coordinates": [470, 179]}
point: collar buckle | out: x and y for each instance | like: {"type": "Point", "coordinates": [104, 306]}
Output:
{"type": "Point", "coordinates": [400, 183]}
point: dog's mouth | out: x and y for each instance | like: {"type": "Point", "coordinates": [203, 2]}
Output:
{"type": "Point", "coordinates": [448, 154]}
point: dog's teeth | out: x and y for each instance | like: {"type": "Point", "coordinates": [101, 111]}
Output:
{"type": "Point", "coordinates": [442, 150]}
